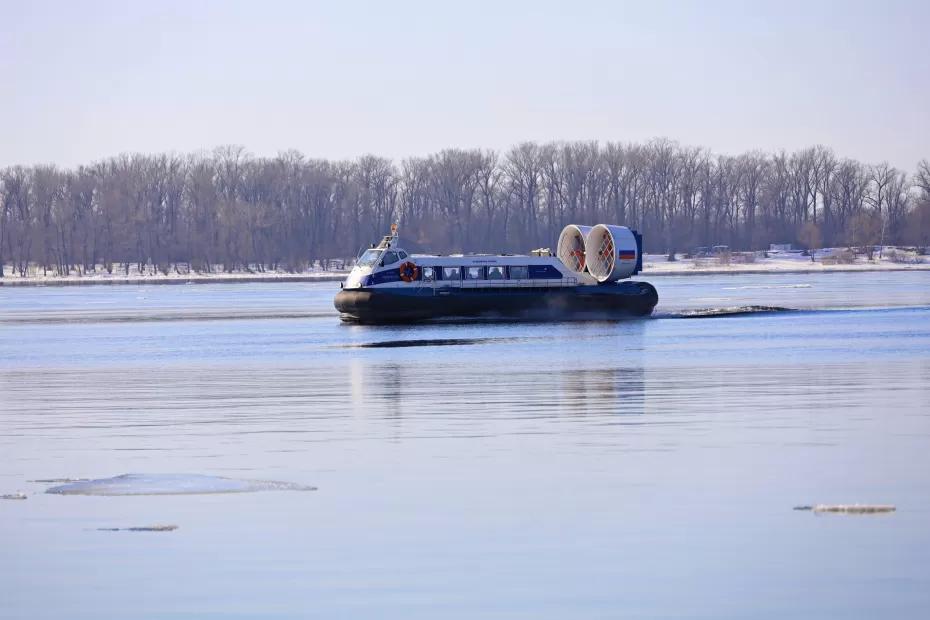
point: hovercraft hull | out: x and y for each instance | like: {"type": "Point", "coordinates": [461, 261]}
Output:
{"type": "Point", "coordinates": [379, 305]}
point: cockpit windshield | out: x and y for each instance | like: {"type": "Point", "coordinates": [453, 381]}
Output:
{"type": "Point", "coordinates": [369, 258]}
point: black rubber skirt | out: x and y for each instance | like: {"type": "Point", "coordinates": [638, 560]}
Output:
{"type": "Point", "coordinates": [400, 305]}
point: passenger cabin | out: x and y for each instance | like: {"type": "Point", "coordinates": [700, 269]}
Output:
{"type": "Point", "coordinates": [388, 266]}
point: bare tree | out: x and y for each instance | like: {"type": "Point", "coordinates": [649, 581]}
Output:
{"type": "Point", "coordinates": [923, 177]}
{"type": "Point", "coordinates": [522, 170]}
{"type": "Point", "coordinates": [810, 237]}
{"type": "Point", "coordinates": [882, 178]}
{"type": "Point", "coordinates": [753, 172]}
{"type": "Point", "coordinates": [864, 230]}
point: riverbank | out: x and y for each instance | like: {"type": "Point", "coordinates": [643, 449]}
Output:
{"type": "Point", "coordinates": [171, 278]}
{"type": "Point", "coordinates": [778, 263]}
{"type": "Point", "coordinates": [654, 265]}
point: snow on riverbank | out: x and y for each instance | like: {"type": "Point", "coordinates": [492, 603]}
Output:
{"type": "Point", "coordinates": [35, 277]}
{"type": "Point", "coordinates": [825, 261]}
{"type": "Point", "coordinates": [653, 265]}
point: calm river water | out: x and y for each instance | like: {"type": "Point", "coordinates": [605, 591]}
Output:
{"type": "Point", "coordinates": [641, 469]}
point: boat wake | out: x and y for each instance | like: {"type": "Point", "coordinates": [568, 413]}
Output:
{"type": "Point", "coordinates": [765, 287]}
{"type": "Point", "coordinates": [732, 311]}
{"type": "Point", "coordinates": [710, 313]}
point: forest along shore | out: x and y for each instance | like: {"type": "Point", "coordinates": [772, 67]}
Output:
{"type": "Point", "coordinates": [654, 265]}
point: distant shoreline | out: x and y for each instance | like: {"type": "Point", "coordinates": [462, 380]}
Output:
{"type": "Point", "coordinates": [682, 267]}
{"type": "Point", "coordinates": [232, 278]}
{"type": "Point", "coordinates": [738, 271]}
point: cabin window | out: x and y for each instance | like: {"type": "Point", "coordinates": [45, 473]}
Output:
{"type": "Point", "coordinates": [428, 274]}
{"type": "Point", "coordinates": [519, 273]}
{"type": "Point", "coordinates": [369, 258]}
{"type": "Point", "coordinates": [389, 258]}
{"type": "Point", "coordinates": [495, 273]}
{"type": "Point", "coordinates": [402, 254]}
{"type": "Point", "coordinates": [474, 273]}
{"type": "Point", "coordinates": [451, 273]}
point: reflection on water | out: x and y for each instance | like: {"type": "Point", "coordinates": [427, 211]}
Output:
{"type": "Point", "coordinates": [412, 342]}
{"type": "Point", "coordinates": [401, 390]}
{"type": "Point", "coordinates": [501, 469]}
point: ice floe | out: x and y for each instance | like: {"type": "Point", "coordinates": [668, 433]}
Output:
{"type": "Point", "coordinates": [171, 484]}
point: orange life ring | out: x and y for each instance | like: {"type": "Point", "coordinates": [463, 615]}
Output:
{"type": "Point", "coordinates": [408, 271]}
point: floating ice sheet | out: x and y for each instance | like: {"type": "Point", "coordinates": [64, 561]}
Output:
{"type": "Point", "coordinates": [851, 509]}
{"type": "Point", "coordinates": [171, 484]}
{"type": "Point", "coordinates": [140, 528]}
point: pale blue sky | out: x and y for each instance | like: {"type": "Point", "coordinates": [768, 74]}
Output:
{"type": "Point", "coordinates": [83, 80]}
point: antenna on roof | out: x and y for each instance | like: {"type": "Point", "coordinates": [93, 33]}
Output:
{"type": "Point", "coordinates": [389, 240]}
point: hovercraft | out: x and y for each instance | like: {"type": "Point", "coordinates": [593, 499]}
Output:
{"type": "Point", "coordinates": [587, 279]}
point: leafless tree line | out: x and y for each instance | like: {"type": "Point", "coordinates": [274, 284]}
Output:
{"type": "Point", "coordinates": [229, 210]}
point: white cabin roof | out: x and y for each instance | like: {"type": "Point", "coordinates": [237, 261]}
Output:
{"type": "Point", "coordinates": [484, 259]}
